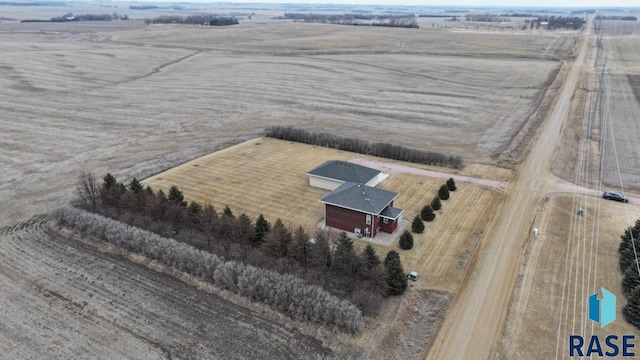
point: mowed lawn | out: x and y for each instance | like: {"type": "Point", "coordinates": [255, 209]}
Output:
{"type": "Point", "coordinates": [268, 176]}
{"type": "Point", "coordinates": [261, 176]}
{"type": "Point", "coordinates": [443, 252]}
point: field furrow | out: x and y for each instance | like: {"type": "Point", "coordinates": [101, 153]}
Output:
{"type": "Point", "coordinates": [79, 302]}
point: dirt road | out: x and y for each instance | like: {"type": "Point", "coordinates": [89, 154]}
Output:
{"type": "Point", "coordinates": [393, 168]}
{"type": "Point", "coordinates": [476, 319]}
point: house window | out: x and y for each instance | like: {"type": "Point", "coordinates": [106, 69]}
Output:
{"type": "Point", "coordinates": [368, 219]}
{"type": "Point", "coordinates": [385, 220]}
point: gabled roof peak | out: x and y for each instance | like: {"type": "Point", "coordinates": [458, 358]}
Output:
{"type": "Point", "coordinates": [357, 196]}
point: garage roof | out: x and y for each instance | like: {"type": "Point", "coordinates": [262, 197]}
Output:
{"type": "Point", "coordinates": [344, 171]}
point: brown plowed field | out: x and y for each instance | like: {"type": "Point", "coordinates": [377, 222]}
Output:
{"type": "Point", "coordinates": [136, 100]}
{"type": "Point", "coordinates": [621, 155]}
{"type": "Point", "coordinates": [62, 298]}
{"type": "Point", "coordinates": [309, 38]}
{"type": "Point", "coordinates": [77, 98]}
{"type": "Point", "coordinates": [616, 129]}
{"type": "Point", "coordinates": [621, 104]}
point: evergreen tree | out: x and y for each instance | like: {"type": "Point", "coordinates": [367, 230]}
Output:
{"type": "Point", "coordinates": [443, 192]}
{"type": "Point", "coordinates": [348, 267]}
{"type": "Point", "coordinates": [158, 205]}
{"type": "Point", "coordinates": [175, 196]}
{"type": "Point", "coordinates": [149, 191]}
{"type": "Point", "coordinates": [343, 255]}
{"type": "Point", "coordinates": [406, 240]}
{"type": "Point", "coordinates": [162, 198]}
{"type": "Point", "coordinates": [195, 210]}
{"type": "Point", "coordinates": [631, 311]}
{"type": "Point", "coordinates": [436, 204]}
{"type": "Point", "coordinates": [321, 256]}
{"type": "Point", "coordinates": [278, 240]}
{"type": "Point", "coordinates": [627, 255]}
{"type": "Point", "coordinates": [427, 213]}
{"type": "Point", "coordinates": [262, 227]}
{"type": "Point", "coordinates": [417, 226]}
{"type": "Point", "coordinates": [301, 247]}
{"type": "Point", "coordinates": [135, 186]}
{"type": "Point", "coordinates": [370, 256]}
{"type": "Point", "coordinates": [109, 181]}
{"type": "Point", "coordinates": [451, 185]}
{"type": "Point", "coordinates": [227, 212]}
{"type": "Point", "coordinates": [394, 274]}
{"type": "Point", "coordinates": [631, 280]}
{"type": "Point", "coordinates": [392, 254]}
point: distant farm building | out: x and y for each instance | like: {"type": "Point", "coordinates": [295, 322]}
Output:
{"type": "Point", "coordinates": [334, 173]}
{"type": "Point", "coordinates": [354, 204]}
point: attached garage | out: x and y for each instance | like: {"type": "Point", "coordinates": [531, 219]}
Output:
{"type": "Point", "coordinates": [324, 183]}
{"type": "Point", "coordinates": [333, 173]}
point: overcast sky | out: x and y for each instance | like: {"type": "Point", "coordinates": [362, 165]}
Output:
{"type": "Point", "coordinates": [505, 3]}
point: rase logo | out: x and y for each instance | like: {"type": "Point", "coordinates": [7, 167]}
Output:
{"type": "Point", "coordinates": [602, 311]}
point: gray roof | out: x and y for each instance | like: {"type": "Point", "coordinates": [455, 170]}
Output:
{"type": "Point", "coordinates": [391, 212]}
{"type": "Point", "coordinates": [357, 196]}
{"type": "Point", "coordinates": [345, 171]}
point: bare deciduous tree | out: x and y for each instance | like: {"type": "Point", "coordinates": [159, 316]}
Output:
{"type": "Point", "coordinates": [89, 189]}
{"type": "Point", "coordinates": [286, 293]}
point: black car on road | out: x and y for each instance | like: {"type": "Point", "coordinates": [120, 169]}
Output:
{"type": "Point", "coordinates": [613, 195]}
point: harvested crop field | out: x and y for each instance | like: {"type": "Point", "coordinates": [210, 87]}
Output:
{"type": "Point", "coordinates": [268, 176]}
{"type": "Point", "coordinates": [543, 291]}
{"type": "Point", "coordinates": [309, 39]}
{"type": "Point", "coordinates": [63, 298]}
{"type": "Point", "coordinates": [135, 100]}
{"type": "Point", "coordinates": [616, 128]}
{"type": "Point", "coordinates": [621, 130]}
{"type": "Point", "coordinates": [76, 97]}
{"type": "Point", "coordinates": [621, 104]}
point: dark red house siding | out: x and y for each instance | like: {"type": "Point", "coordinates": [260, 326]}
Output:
{"type": "Point", "coordinates": [348, 220]}
{"type": "Point", "coordinates": [390, 227]}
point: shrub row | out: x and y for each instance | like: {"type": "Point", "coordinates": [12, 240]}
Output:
{"type": "Point", "coordinates": [364, 147]}
{"type": "Point", "coordinates": [285, 293]}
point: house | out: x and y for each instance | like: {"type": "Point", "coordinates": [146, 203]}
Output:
{"type": "Point", "coordinates": [361, 209]}
{"type": "Point", "coordinates": [334, 173]}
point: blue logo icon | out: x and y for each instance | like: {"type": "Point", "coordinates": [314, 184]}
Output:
{"type": "Point", "coordinates": [602, 311]}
